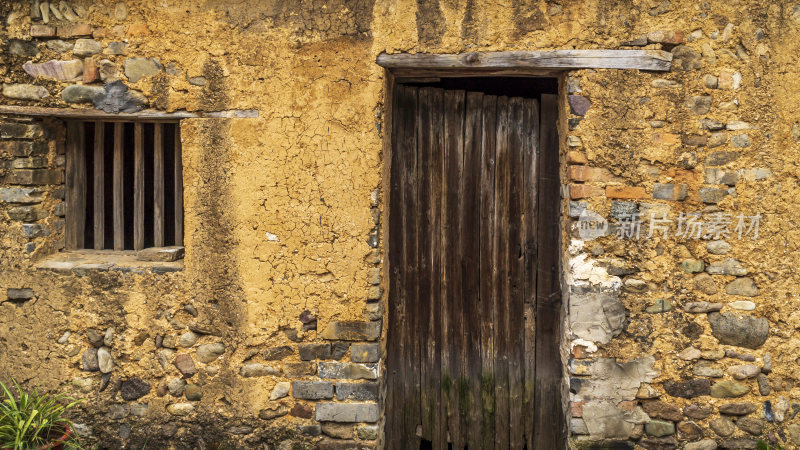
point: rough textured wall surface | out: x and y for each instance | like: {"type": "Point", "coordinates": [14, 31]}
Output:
{"type": "Point", "coordinates": [267, 332]}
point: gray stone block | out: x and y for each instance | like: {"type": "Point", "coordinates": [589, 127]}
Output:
{"type": "Point", "coordinates": [34, 176]}
{"type": "Point", "coordinates": [167, 254]}
{"type": "Point", "coordinates": [23, 148]}
{"type": "Point", "coordinates": [312, 390]}
{"type": "Point", "coordinates": [347, 412]}
{"type": "Point", "coordinates": [712, 195]}
{"type": "Point", "coordinates": [278, 353]}
{"type": "Point", "coordinates": [20, 131]}
{"type": "Point", "coordinates": [309, 352]}
{"type": "Point", "coordinates": [740, 330]}
{"type": "Point", "coordinates": [309, 430]}
{"type": "Point", "coordinates": [367, 432]}
{"type": "Point", "coordinates": [669, 191]}
{"type": "Point", "coordinates": [257, 370]}
{"type": "Point", "coordinates": [357, 391]}
{"type": "Point", "coordinates": [20, 294]}
{"type": "Point", "coordinates": [742, 286]}
{"type": "Point", "coordinates": [364, 353]}
{"type": "Point", "coordinates": [350, 371]}
{"type": "Point", "coordinates": [727, 267]}
{"type": "Point", "coordinates": [353, 331]}
{"type": "Point", "coordinates": [21, 195]}
{"type": "Point", "coordinates": [720, 158]}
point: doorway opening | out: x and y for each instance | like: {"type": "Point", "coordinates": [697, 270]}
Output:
{"type": "Point", "coordinates": [474, 242]}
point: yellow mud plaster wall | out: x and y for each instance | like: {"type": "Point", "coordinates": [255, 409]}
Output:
{"type": "Point", "coordinates": [290, 212]}
{"type": "Point", "coordinates": [279, 281]}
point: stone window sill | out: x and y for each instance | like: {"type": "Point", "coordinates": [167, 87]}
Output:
{"type": "Point", "coordinates": [83, 262]}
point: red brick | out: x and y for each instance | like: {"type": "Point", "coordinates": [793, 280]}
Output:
{"type": "Point", "coordinates": [577, 191]}
{"type": "Point", "coordinates": [575, 157]}
{"type": "Point", "coordinates": [586, 173]}
{"type": "Point", "coordinates": [626, 192]}
{"type": "Point", "coordinates": [579, 352]}
{"type": "Point", "coordinates": [74, 30]}
{"type": "Point", "coordinates": [89, 70]}
{"type": "Point", "coordinates": [576, 408]}
{"type": "Point", "coordinates": [39, 30]}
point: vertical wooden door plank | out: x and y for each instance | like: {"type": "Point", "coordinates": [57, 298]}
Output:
{"type": "Point", "coordinates": [76, 186]}
{"type": "Point", "coordinates": [454, 378]}
{"type": "Point", "coordinates": [178, 176]}
{"type": "Point", "coordinates": [424, 216]}
{"type": "Point", "coordinates": [471, 238]}
{"type": "Point", "coordinates": [99, 186]}
{"type": "Point", "coordinates": [158, 185]}
{"type": "Point", "coordinates": [138, 186]}
{"type": "Point", "coordinates": [118, 187]}
{"type": "Point", "coordinates": [550, 431]}
{"type": "Point", "coordinates": [488, 275]}
{"type": "Point", "coordinates": [438, 254]}
{"type": "Point", "coordinates": [395, 390]}
{"type": "Point", "coordinates": [502, 183]}
{"type": "Point", "coordinates": [411, 360]}
{"type": "Point", "coordinates": [513, 305]}
{"type": "Point", "coordinates": [529, 231]}
{"type": "Point", "coordinates": [417, 315]}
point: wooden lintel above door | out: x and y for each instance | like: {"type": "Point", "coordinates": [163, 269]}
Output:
{"type": "Point", "coordinates": [522, 63]}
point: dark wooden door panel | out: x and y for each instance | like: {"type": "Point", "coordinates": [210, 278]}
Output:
{"type": "Point", "coordinates": [465, 294]}
{"type": "Point", "coordinates": [549, 421]}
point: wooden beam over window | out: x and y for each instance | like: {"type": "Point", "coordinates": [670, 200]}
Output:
{"type": "Point", "coordinates": [522, 62]}
{"type": "Point", "coordinates": [148, 115]}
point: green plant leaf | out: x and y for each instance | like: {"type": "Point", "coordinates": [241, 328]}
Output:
{"type": "Point", "coordinates": [27, 420]}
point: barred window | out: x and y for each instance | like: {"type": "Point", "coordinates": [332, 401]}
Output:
{"type": "Point", "coordinates": [124, 185]}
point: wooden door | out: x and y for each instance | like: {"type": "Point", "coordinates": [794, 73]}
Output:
{"type": "Point", "coordinates": [474, 297]}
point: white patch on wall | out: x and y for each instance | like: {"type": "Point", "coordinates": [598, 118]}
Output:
{"type": "Point", "coordinates": [596, 316]}
{"type": "Point", "coordinates": [610, 384]}
{"type": "Point", "coordinates": [595, 313]}
{"type": "Point", "coordinates": [581, 268]}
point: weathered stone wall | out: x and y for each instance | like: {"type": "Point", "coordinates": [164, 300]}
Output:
{"type": "Point", "coordinates": [269, 330]}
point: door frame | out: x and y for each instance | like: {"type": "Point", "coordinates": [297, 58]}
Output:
{"type": "Point", "coordinates": [560, 406]}
{"type": "Point", "coordinates": [418, 67]}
